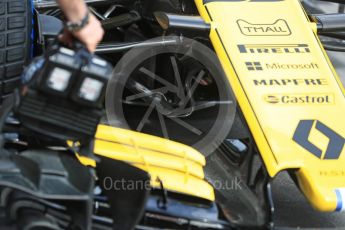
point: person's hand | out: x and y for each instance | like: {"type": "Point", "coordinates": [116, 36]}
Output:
{"type": "Point", "coordinates": [91, 35]}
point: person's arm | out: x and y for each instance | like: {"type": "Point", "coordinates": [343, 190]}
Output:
{"type": "Point", "coordinates": [75, 11]}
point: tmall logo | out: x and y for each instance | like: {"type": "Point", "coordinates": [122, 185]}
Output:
{"type": "Point", "coordinates": [278, 28]}
{"type": "Point", "coordinates": [335, 145]}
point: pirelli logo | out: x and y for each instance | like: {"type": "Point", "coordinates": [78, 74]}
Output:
{"type": "Point", "coordinates": [274, 48]}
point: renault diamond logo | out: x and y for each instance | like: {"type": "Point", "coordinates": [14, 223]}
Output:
{"type": "Point", "coordinates": [335, 145]}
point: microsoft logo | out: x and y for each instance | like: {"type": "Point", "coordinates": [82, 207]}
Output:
{"type": "Point", "coordinates": [254, 66]}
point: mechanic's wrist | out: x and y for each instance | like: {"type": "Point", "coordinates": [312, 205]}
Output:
{"type": "Point", "coordinates": [75, 26]}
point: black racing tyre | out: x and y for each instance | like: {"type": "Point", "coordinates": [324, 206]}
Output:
{"type": "Point", "coordinates": [16, 23]}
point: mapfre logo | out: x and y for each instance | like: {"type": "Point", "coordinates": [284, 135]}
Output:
{"type": "Point", "coordinates": [335, 145]}
{"type": "Point", "coordinates": [278, 28]}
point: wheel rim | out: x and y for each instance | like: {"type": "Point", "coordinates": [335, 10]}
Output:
{"type": "Point", "coordinates": [201, 124]}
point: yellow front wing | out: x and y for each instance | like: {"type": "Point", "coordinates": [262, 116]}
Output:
{"type": "Point", "coordinates": [177, 166]}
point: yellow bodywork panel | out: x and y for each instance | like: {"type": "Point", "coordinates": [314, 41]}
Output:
{"type": "Point", "coordinates": [179, 167]}
{"type": "Point", "coordinates": [287, 89]}
{"type": "Point", "coordinates": [86, 161]}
